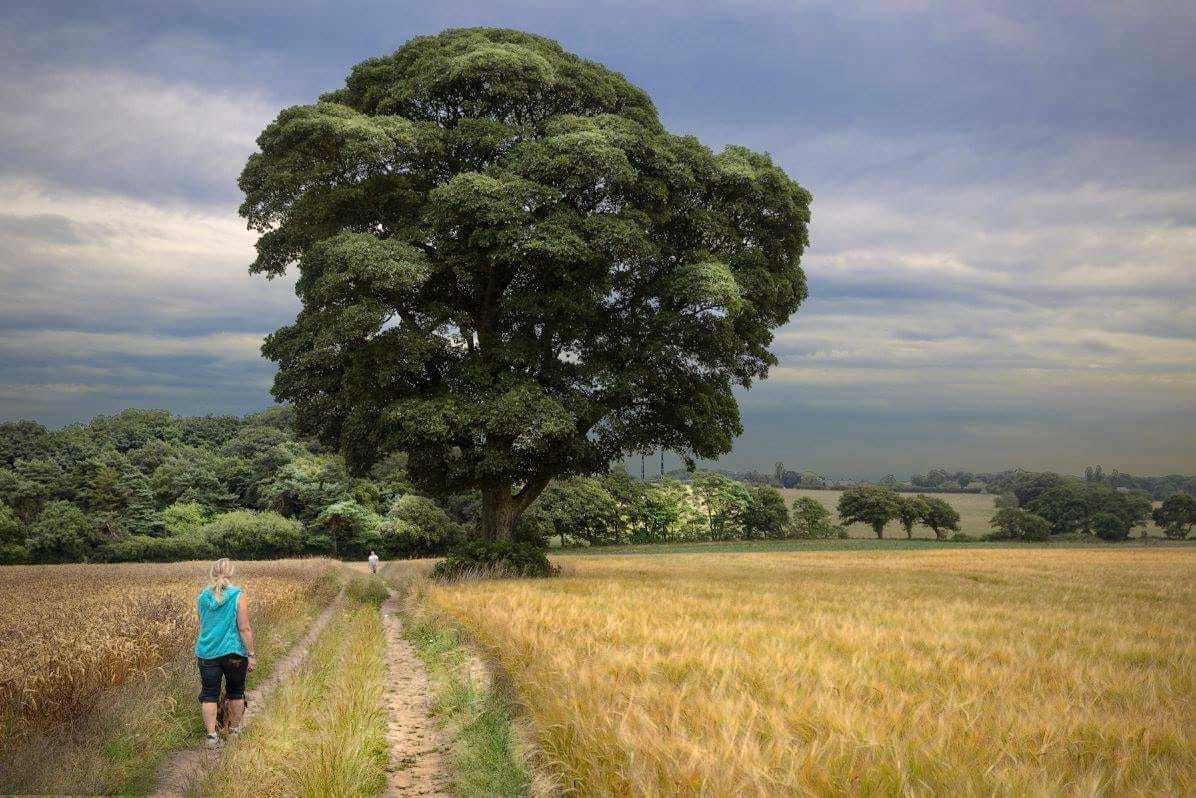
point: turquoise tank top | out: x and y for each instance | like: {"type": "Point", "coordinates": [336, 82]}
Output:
{"type": "Point", "coordinates": [218, 633]}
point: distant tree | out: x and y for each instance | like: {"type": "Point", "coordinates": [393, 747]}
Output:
{"type": "Point", "coordinates": [582, 510]}
{"type": "Point", "coordinates": [23, 440]}
{"type": "Point", "coordinates": [724, 501]}
{"type": "Point", "coordinates": [62, 534]}
{"type": "Point", "coordinates": [12, 537]}
{"type": "Point", "coordinates": [512, 272]}
{"type": "Point", "coordinates": [1065, 507]}
{"type": "Point", "coordinates": [350, 527]}
{"type": "Point", "coordinates": [1176, 516]}
{"type": "Point", "coordinates": [811, 519]}
{"type": "Point", "coordinates": [940, 516]}
{"type": "Point", "coordinates": [1110, 526]}
{"type": "Point", "coordinates": [24, 496]}
{"type": "Point", "coordinates": [251, 535]}
{"type": "Point", "coordinates": [912, 510]}
{"type": "Point", "coordinates": [765, 514]}
{"type": "Point", "coordinates": [1005, 501]}
{"type": "Point", "coordinates": [871, 505]}
{"type": "Point", "coordinates": [1018, 524]}
{"type": "Point", "coordinates": [1028, 485]}
{"type": "Point", "coordinates": [184, 518]}
{"type": "Point", "coordinates": [424, 514]}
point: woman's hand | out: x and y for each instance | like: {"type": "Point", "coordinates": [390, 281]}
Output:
{"type": "Point", "coordinates": [252, 662]}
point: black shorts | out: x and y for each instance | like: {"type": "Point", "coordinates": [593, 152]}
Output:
{"type": "Point", "coordinates": [232, 668]}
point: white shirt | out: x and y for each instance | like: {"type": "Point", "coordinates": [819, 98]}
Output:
{"type": "Point", "coordinates": [373, 559]}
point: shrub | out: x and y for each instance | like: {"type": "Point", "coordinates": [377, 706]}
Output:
{"type": "Point", "coordinates": [12, 554]}
{"type": "Point", "coordinates": [960, 537]}
{"type": "Point", "coordinates": [143, 548]}
{"type": "Point", "coordinates": [494, 559]}
{"type": "Point", "coordinates": [765, 514]}
{"type": "Point", "coordinates": [534, 527]}
{"type": "Point", "coordinates": [1108, 526]}
{"type": "Point", "coordinates": [183, 518]}
{"type": "Point", "coordinates": [251, 535]}
{"type": "Point", "coordinates": [1010, 524]}
{"type": "Point", "coordinates": [582, 510]}
{"type": "Point", "coordinates": [811, 519]}
{"type": "Point", "coordinates": [62, 534]}
{"type": "Point", "coordinates": [351, 528]}
{"type": "Point", "coordinates": [417, 527]}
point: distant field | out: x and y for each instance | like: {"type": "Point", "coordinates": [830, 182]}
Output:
{"type": "Point", "coordinates": [975, 511]}
{"type": "Point", "coordinates": [943, 670]}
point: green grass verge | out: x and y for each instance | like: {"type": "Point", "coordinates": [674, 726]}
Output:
{"type": "Point", "coordinates": [850, 544]}
{"type": "Point", "coordinates": [488, 756]}
{"type": "Point", "coordinates": [323, 731]}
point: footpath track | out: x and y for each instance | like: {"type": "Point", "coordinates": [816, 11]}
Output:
{"type": "Point", "coordinates": [184, 768]}
{"type": "Point", "coordinates": [417, 748]}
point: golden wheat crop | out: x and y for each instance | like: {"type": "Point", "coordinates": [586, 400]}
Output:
{"type": "Point", "coordinates": [959, 672]}
{"type": "Point", "coordinates": [69, 633]}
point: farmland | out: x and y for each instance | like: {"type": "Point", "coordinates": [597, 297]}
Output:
{"type": "Point", "coordinates": [975, 510]}
{"type": "Point", "coordinates": [98, 660]}
{"type": "Point", "coordinates": [942, 671]}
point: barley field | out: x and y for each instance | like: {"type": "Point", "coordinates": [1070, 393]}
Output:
{"type": "Point", "coordinates": [975, 511]}
{"type": "Point", "coordinates": [946, 671]}
{"type": "Point", "coordinates": [70, 632]}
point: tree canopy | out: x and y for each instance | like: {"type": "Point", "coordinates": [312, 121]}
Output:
{"type": "Point", "coordinates": [510, 270]}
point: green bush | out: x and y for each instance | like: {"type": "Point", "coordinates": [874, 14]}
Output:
{"type": "Point", "coordinates": [534, 527]}
{"type": "Point", "coordinates": [417, 527]}
{"type": "Point", "coordinates": [183, 518]}
{"type": "Point", "coordinates": [1108, 526]}
{"type": "Point", "coordinates": [62, 534]}
{"type": "Point", "coordinates": [250, 535]}
{"type": "Point", "coordinates": [494, 559]}
{"type": "Point", "coordinates": [12, 554]}
{"type": "Point", "coordinates": [960, 537]}
{"type": "Point", "coordinates": [143, 548]}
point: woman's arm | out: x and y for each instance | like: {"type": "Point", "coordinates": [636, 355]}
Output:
{"type": "Point", "coordinates": [245, 630]}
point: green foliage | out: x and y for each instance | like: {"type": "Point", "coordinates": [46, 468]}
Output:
{"type": "Point", "coordinates": [1176, 516]}
{"type": "Point", "coordinates": [184, 518]}
{"type": "Point", "coordinates": [725, 501]}
{"type": "Point", "coordinates": [250, 535]}
{"type": "Point", "coordinates": [912, 510]}
{"type": "Point", "coordinates": [1109, 526]}
{"type": "Point", "coordinates": [1018, 524]}
{"type": "Point", "coordinates": [583, 511]}
{"type": "Point", "coordinates": [512, 272]}
{"type": "Point", "coordinates": [417, 527]}
{"type": "Point", "coordinates": [351, 528]}
{"type": "Point", "coordinates": [811, 519]}
{"type": "Point", "coordinates": [869, 504]}
{"type": "Point", "coordinates": [12, 537]}
{"type": "Point", "coordinates": [765, 515]}
{"type": "Point", "coordinates": [62, 533]}
{"type": "Point", "coordinates": [940, 516]}
{"type": "Point", "coordinates": [141, 548]}
{"type": "Point", "coordinates": [493, 559]}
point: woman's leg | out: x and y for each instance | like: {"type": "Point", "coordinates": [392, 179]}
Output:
{"type": "Point", "coordinates": [236, 668]}
{"type": "Point", "coordinates": [209, 693]}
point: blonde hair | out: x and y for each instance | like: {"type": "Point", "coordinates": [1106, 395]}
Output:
{"type": "Point", "coordinates": [220, 574]}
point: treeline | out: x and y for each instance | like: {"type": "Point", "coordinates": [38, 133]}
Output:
{"type": "Point", "coordinates": [146, 485]}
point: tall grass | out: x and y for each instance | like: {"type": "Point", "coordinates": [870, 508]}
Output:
{"type": "Point", "coordinates": [95, 719]}
{"type": "Point", "coordinates": [323, 731]}
{"type": "Point", "coordinates": [986, 671]}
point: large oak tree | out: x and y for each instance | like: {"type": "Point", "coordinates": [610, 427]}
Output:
{"type": "Point", "coordinates": [511, 271]}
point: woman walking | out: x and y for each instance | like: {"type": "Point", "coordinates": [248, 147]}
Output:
{"type": "Point", "coordinates": [224, 649]}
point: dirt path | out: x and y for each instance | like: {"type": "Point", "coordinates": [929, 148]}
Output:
{"type": "Point", "coordinates": [417, 749]}
{"type": "Point", "coordinates": [182, 770]}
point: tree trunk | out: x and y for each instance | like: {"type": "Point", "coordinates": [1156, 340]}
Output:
{"type": "Point", "coordinates": [501, 509]}
{"type": "Point", "coordinates": [499, 514]}
{"type": "Point", "coordinates": [879, 529]}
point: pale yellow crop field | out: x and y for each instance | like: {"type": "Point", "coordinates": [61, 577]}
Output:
{"type": "Point", "coordinates": [975, 511]}
{"type": "Point", "coordinates": [949, 672]}
{"type": "Point", "coordinates": [69, 633]}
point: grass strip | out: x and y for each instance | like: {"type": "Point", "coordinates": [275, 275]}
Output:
{"type": "Point", "coordinates": [323, 731]}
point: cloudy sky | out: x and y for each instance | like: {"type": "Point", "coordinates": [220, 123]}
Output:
{"type": "Point", "coordinates": [1004, 222]}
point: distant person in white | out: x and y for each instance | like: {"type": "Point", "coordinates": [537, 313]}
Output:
{"type": "Point", "coordinates": [373, 563]}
